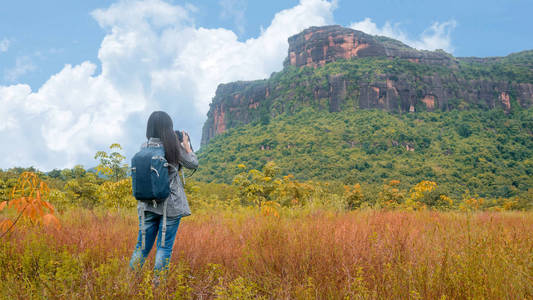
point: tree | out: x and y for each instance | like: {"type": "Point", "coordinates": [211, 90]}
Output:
{"type": "Point", "coordinates": [117, 194]}
{"type": "Point", "coordinates": [391, 196]}
{"type": "Point", "coordinates": [83, 191]}
{"type": "Point", "coordinates": [112, 164]}
{"type": "Point", "coordinates": [427, 194]}
{"type": "Point", "coordinates": [353, 195]}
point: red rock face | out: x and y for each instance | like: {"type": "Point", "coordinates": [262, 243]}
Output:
{"type": "Point", "coordinates": [429, 101]}
{"type": "Point", "coordinates": [234, 103]}
{"type": "Point", "coordinates": [506, 100]}
{"type": "Point", "coordinates": [317, 46]}
{"type": "Point", "coordinates": [219, 121]}
{"type": "Point", "coordinates": [524, 92]}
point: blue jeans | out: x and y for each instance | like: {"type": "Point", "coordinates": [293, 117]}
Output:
{"type": "Point", "coordinates": [154, 224]}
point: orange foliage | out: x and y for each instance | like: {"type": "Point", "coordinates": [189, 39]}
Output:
{"type": "Point", "coordinates": [27, 198]}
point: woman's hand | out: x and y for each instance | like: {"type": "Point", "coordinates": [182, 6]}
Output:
{"type": "Point", "coordinates": [186, 142]}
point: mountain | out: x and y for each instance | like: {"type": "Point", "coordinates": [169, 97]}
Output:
{"type": "Point", "coordinates": [353, 108]}
{"type": "Point", "coordinates": [336, 69]}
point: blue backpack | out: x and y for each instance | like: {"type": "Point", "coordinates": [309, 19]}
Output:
{"type": "Point", "coordinates": [149, 174]}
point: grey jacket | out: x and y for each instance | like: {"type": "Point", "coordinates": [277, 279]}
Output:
{"type": "Point", "coordinates": [176, 203]}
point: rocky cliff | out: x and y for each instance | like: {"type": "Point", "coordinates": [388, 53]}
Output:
{"type": "Point", "coordinates": [334, 68]}
{"type": "Point", "coordinates": [317, 46]}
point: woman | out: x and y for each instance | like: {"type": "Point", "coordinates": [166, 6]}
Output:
{"type": "Point", "coordinates": [159, 130]}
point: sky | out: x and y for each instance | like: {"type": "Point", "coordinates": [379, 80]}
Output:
{"type": "Point", "coordinates": [77, 76]}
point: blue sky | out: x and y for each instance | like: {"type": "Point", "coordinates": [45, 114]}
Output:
{"type": "Point", "coordinates": [89, 72]}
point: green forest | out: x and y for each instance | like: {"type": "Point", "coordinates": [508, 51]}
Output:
{"type": "Point", "coordinates": [486, 153]}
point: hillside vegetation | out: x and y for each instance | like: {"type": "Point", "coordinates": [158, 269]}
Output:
{"type": "Point", "coordinates": [488, 153]}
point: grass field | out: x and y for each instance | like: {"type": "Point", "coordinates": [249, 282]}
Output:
{"type": "Point", "coordinates": [303, 254]}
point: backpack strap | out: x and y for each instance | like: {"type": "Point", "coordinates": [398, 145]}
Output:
{"type": "Point", "coordinates": [143, 227]}
{"type": "Point", "coordinates": [164, 229]}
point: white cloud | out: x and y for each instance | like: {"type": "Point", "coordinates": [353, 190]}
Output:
{"type": "Point", "coordinates": [23, 65]}
{"type": "Point", "coordinates": [153, 57]}
{"type": "Point", "coordinates": [4, 45]}
{"type": "Point", "coordinates": [437, 36]}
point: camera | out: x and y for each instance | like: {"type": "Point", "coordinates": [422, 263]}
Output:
{"type": "Point", "coordinates": [180, 135]}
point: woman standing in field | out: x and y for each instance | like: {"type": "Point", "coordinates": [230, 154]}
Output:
{"type": "Point", "coordinates": [160, 132]}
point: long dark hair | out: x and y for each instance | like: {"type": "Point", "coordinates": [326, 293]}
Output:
{"type": "Point", "coordinates": [160, 126]}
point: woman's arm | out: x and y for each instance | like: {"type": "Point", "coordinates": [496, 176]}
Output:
{"type": "Point", "coordinates": [187, 158]}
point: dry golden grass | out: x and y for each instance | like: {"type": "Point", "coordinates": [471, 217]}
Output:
{"type": "Point", "coordinates": [301, 255]}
